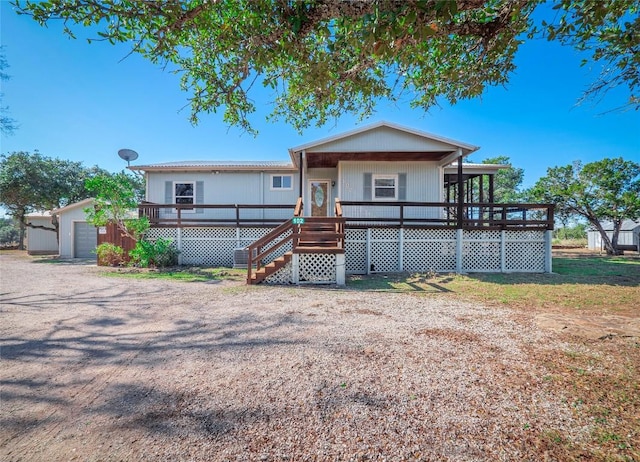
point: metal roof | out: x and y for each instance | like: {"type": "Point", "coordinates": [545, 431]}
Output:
{"type": "Point", "coordinates": [466, 148]}
{"type": "Point", "coordinates": [627, 225]}
{"type": "Point", "coordinates": [217, 165]}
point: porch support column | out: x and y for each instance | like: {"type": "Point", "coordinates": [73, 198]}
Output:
{"type": "Point", "coordinates": [340, 269]}
{"type": "Point", "coordinates": [300, 167]}
{"type": "Point", "coordinates": [548, 260]}
{"type": "Point", "coordinates": [503, 251]}
{"type": "Point", "coordinates": [295, 268]}
{"type": "Point", "coordinates": [491, 188]}
{"type": "Point", "coordinates": [179, 243]}
{"type": "Point", "coordinates": [460, 189]}
{"type": "Point", "coordinates": [459, 249]}
{"type": "Point", "coordinates": [491, 198]}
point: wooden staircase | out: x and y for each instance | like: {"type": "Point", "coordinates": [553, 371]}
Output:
{"type": "Point", "coordinates": [314, 235]}
{"type": "Point", "coordinates": [271, 268]}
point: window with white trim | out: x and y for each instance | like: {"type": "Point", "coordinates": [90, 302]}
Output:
{"type": "Point", "coordinates": [281, 182]}
{"type": "Point", "coordinates": [385, 187]}
{"type": "Point", "coordinates": [184, 193]}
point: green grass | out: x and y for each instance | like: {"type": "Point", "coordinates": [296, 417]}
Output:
{"type": "Point", "coordinates": [602, 284]}
{"type": "Point", "coordinates": [195, 274]}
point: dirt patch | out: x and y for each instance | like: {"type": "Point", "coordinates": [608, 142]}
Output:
{"type": "Point", "coordinates": [590, 326]}
{"type": "Point", "coordinates": [97, 368]}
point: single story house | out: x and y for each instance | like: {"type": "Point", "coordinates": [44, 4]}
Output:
{"type": "Point", "coordinates": [380, 198]}
{"type": "Point", "coordinates": [41, 241]}
{"type": "Point", "coordinates": [629, 237]}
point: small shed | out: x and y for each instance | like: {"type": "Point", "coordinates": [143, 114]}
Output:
{"type": "Point", "coordinates": [629, 236]}
{"type": "Point", "coordinates": [78, 239]}
{"type": "Point", "coordinates": [41, 241]}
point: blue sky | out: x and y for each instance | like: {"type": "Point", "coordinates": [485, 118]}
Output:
{"type": "Point", "coordinates": [84, 102]}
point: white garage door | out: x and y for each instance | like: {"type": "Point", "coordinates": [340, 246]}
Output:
{"type": "Point", "coordinates": [85, 239]}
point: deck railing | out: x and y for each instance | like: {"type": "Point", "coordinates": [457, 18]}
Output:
{"type": "Point", "coordinates": [356, 214]}
{"type": "Point", "coordinates": [361, 214]}
{"type": "Point", "coordinates": [232, 215]}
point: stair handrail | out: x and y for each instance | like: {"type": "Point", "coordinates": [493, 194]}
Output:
{"type": "Point", "coordinates": [297, 211]}
{"type": "Point", "coordinates": [269, 237]}
{"type": "Point", "coordinates": [339, 223]}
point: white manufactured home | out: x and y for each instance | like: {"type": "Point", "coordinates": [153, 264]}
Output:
{"type": "Point", "coordinates": [382, 198]}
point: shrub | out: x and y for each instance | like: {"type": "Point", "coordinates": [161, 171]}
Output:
{"type": "Point", "coordinates": [110, 254]}
{"type": "Point", "coordinates": [159, 253]}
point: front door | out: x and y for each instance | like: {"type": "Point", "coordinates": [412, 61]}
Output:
{"type": "Point", "coordinates": [319, 194]}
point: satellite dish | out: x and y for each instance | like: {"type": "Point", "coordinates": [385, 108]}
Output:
{"type": "Point", "coordinates": [128, 155]}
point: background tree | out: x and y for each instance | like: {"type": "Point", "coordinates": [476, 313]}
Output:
{"type": "Point", "coordinates": [32, 182]}
{"type": "Point", "coordinates": [323, 58]}
{"type": "Point", "coordinates": [507, 182]}
{"type": "Point", "coordinates": [606, 190]}
{"type": "Point", "coordinates": [116, 201]}
{"type": "Point", "coordinates": [7, 124]}
{"type": "Point", "coordinates": [9, 231]}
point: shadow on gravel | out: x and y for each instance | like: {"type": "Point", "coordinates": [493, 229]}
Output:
{"type": "Point", "coordinates": [96, 350]}
{"type": "Point", "coordinates": [170, 414]}
{"type": "Point", "coordinates": [66, 261]}
{"type": "Point", "coordinates": [104, 298]}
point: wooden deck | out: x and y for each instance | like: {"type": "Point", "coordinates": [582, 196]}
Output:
{"type": "Point", "coordinates": [356, 214]}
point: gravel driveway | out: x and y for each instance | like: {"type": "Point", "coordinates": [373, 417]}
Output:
{"type": "Point", "coordinates": [99, 368]}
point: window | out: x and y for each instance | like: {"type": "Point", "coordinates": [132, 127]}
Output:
{"type": "Point", "coordinates": [184, 193]}
{"type": "Point", "coordinates": [385, 187]}
{"type": "Point", "coordinates": [281, 182]}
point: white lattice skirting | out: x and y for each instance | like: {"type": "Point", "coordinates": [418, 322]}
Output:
{"type": "Point", "coordinates": [379, 250]}
{"type": "Point", "coordinates": [375, 250]}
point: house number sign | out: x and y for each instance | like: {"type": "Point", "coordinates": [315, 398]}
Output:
{"type": "Point", "coordinates": [298, 221]}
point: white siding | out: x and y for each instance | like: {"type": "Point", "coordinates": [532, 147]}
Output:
{"type": "Point", "coordinates": [424, 184]}
{"type": "Point", "coordinates": [383, 139]}
{"type": "Point", "coordinates": [229, 188]}
{"type": "Point", "coordinates": [594, 240]}
{"type": "Point", "coordinates": [40, 241]}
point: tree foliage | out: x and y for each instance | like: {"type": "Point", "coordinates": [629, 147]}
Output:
{"type": "Point", "coordinates": [323, 58]}
{"type": "Point", "coordinates": [116, 201]}
{"type": "Point", "coordinates": [31, 182]}
{"type": "Point", "coordinates": [507, 181]}
{"type": "Point", "coordinates": [7, 123]}
{"type": "Point", "coordinates": [606, 190]}
{"type": "Point", "coordinates": [9, 231]}
{"type": "Point", "coordinates": [610, 30]}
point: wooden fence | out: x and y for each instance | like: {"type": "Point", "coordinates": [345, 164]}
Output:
{"type": "Point", "coordinates": [113, 235]}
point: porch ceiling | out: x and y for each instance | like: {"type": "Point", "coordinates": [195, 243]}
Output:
{"type": "Point", "coordinates": [331, 159]}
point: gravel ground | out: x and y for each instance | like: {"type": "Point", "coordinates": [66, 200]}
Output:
{"type": "Point", "coordinates": [98, 368]}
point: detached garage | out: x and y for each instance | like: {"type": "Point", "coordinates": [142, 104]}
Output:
{"type": "Point", "coordinates": [78, 239]}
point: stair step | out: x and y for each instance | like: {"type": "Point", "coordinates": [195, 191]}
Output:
{"type": "Point", "coordinates": [316, 249]}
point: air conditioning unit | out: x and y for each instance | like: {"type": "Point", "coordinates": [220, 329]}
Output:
{"type": "Point", "coordinates": [241, 257]}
